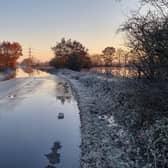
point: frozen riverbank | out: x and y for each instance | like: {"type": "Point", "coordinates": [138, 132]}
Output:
{"type": "Point", "coordinates": [115, 131]}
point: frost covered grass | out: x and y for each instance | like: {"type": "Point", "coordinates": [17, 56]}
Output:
{"type": "Point", "coordinates": [123, 121]}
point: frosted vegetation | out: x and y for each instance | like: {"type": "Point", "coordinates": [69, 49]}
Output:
{"type": "Point", "coordinates": [124, 122]}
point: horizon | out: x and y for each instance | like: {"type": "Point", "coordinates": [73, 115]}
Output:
{"type": "Point", "coordinates": [40, 24]}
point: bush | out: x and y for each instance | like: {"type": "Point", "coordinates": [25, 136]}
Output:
{"type": "Point", "coordinates": [58, 63]}
{"type": "Point", "coordinates": [70, 54]}
{"type": "Point", "coordinates": [73, 61]}
{"type": "Point", "coordinates": [148, 39]}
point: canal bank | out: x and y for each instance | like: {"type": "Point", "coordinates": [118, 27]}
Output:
{"type": "Point", "coordinates": [100, 133]}
{"type": "Point", "coordinates": [112, 134]}
{"type": "Point", "coordinates": [116, 131]}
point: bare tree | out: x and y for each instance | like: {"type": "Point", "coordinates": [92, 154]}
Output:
{"type": "Point", "coordinates": [108, 55]}
{"type": "Point", "coordinates": [161, 6]}
{"type": "Point", "coordinates": [148, 38]}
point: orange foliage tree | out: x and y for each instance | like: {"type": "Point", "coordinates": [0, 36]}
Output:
{"type": "Point", "coordinates": [9, 53]}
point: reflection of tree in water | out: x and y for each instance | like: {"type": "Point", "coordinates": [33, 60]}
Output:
{"type": "Point", "coordinates": [29, 71]}
{"type": "Point", "coordinates": [13, 75]}
{"type": "Point", "coordinates": [50, 166]}
{"type": "Point", "coordinates": [54, 157]}
{"type": "Point", "coordinates": [116, 71]}
{"type": "Point", "coordinates": [32, 72]}
{"type": "Point", "coordinates": [63, 92]}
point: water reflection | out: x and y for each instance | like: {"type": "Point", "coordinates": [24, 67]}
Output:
{"type": "Point", "coordinates": [29, 122]}
{"type": "Point", "coordinates": [20, 91]}
{"type": "Point", "coordinates": [13, 75]}
{"type": "Point", "coordinates": [29, 72]}
{"type": "Point", "coordinates": [116, 71]}
{"type": "Point", "coordinates": [63, 92]}
{"type": "Point", "coordinates": [26, 72]}
{"type": "Point", "coordinates": [54, 156]}
{"type": "Point", "coordinates": [50, 166]}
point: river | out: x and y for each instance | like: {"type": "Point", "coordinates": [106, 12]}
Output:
{"type": "Point", "coordinates": [31, 133]}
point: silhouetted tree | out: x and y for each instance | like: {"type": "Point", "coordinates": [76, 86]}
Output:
{"type": "Point", "coordinates": [27, 62]}
{"type": "Point", "coordinates": [148, 38]}
{"type": "Point", "coordinates": [121, 56]}
{"type": "Point", "coordinates": [160, 6]}
{"type": "Point", "coordinates": [108, 55]}
{"type": "Point", "coordinates": [70, 54]}
{"type": "Point", "coordinates": [97, 60]}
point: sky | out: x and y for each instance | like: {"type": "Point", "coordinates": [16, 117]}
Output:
{"type": "Point", "coordinates": [39, 24]}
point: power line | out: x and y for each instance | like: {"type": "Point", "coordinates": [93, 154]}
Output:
{"type": "Point", "coordinates": [30, 53]}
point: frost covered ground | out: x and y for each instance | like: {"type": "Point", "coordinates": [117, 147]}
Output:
{"type": "Point", "coordinates": [115, 127]}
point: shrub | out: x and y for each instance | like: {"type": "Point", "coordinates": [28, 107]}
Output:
{"type": "Point", "coordinates": [70, 54]}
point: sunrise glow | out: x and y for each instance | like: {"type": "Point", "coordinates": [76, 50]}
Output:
{"type": "Point", "coordinates": [40, 24]}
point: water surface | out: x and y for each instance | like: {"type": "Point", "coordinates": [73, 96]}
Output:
{"type": "Point", "coordinates": [116, 71]}
{"type": "Point", "coordinates": [31, 135]}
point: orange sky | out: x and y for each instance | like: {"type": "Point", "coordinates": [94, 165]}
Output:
{"type": "Point", "coordinates": [95, 46]}
{"type": "Point", "coordinates": [39, 24]}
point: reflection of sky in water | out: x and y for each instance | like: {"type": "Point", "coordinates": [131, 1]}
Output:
{"type": "Point", "coordinates": [26, 72]}
{"type": "Point", "coordinates": [116, 71]}
{"type": "Point", "coordinates": [29, 72]}
{"type": "Point", "coordinates": [29, 126]}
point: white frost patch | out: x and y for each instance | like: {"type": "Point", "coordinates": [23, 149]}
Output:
{"type": "Point", "coordinates": [110, 120]}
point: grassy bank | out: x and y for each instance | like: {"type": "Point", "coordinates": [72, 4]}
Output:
{"type": "Point", "coordinates": [123, 121]}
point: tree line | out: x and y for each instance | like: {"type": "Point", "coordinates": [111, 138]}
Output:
{"type": "Point", "coordinates": [11, 49]}
{"type": "Point", "coordinates": [147, 34]}
{"type": "Point", "coordinates": [72, 54]}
